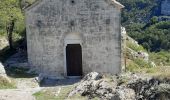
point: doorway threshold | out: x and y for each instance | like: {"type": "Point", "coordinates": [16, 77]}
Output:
{"type": "Point", "coordinates": [74, 77]}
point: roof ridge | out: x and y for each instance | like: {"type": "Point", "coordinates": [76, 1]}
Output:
{"type": "Point", "coordinates": [119, 5]}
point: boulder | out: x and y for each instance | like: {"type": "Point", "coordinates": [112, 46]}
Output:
{"type": "Point", "coordinates": [3, 76]}
{"type": "Point", "coordinates": [92, 85]}
{"type": "Point", "coordinates": [124, 93]}
{"type": "Point", "coordinates": [135, 87]}
{"type": "Point", "coordinates": [162, 92]}
{"type": "Point", "coordinates": [143, 55]}
{"type": "Point", "coordinates": [2, 69]}
{"type": "Point", "coordinates": [92, 76]}
{"type": "Point", "coordinates": [40, 78]}
{"type": "Point", "coordinates": [152, 89]}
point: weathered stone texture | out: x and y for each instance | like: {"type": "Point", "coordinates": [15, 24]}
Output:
{"type": "Point", "coordinates": [97, 22]}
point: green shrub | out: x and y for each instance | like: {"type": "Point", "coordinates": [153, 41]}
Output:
{"type": "Point", "coordinates": [134, 46]}
{"type": "Point", "coordinates": [161, 58]}
{"type": "Point", "coordinates": [132, 66]}
{"type": "Point", "coordinates": [142, 63]}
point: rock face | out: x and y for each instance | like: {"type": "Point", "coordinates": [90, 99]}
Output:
{"type": "Point", "coordinates": [93, 85]}
{"type": "Point", "coordinates": [92, 76]}
{"type": "Point", "coordinates": [2, 69]}
{"type": "Point", "coordinates": [152, 89]}
{"type": "Point", "coordinates": [124, 93]}
{"type": "Point", "coordinates": [137, 87]}
{"type": "Point", "coordinates": [3, 76]}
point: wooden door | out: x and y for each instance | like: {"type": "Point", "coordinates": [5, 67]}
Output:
{"type": "Point", "coordinates": [74, 60]}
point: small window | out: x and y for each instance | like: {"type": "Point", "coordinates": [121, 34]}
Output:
{"type": "Point", "coordinates": [72, 2]}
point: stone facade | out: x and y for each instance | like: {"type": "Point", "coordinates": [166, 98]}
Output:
{"type": "Point", "coordinates": [165, 7]}
{"type": "Point", "coordinates": [94, 24]}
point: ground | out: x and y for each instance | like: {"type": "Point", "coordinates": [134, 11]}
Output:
{"type": "Point", "coordinates": [25, 88]}
{"type": "Point", "coordinates": [28, 88]}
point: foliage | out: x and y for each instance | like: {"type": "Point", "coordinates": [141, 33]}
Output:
{"type": "Point", "coordinates": [141, 19]}
{"type": "Point", "coordinates": [132, 66]}
{"type": "Point", "coordinates": [134, 47]}
{"type": "Point", "coordinates": [10, 9]}
{"type": "Point", "coordinates": [142, 63]}
{"type": "Point", "coordinates": [135, 64]}
{"type": "Point", "coordinates": [139, 11]}
{"type": "Point", "coordinates": [161, 58]}
{"type": "Point", "coordinates": [154, 37]}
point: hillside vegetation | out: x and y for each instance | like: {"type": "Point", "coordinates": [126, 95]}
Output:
{"type": "Point", "coordinates": [142, 21]}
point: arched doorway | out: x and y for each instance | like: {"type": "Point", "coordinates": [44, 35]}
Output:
{"type": "Point", "coordinates": [73, 55]}
{"type": "Point", "coordinates": [74, 59]}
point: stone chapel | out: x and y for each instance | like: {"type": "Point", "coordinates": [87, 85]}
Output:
{"type": "Point", "coordinates": [69, 38]}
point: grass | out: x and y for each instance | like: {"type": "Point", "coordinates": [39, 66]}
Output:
{"type": "Point", "coordinates": [6, 83]}
{"type": "Point", "coordinates": [19, 72]}
{"type": "Point", "coordinates": [134, 46]}
{"type": "Point", "coordinates": [138, 66]}
{"type": "Point", "coordinates": [159, 72]}
{"type": "Point", "coordinates": [44, 95]}
{"type": "Point", "coordinates": [49, 94]}
{"type": "Point", "coordinates": [161, 58]}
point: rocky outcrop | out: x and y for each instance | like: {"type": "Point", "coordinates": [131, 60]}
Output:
{"type": "Point", "coordinates": [127, 86]}
{"type": "Point", "coordinates": [93, 85]}
{"type": "Point", "coordinates": [2, 69]}
{"type": "Point", "coordinates": [152, 89]}
{"type": "Point", "coordinates": [3, 76]}
{"type": "Point", "coordinates": [124, 93]}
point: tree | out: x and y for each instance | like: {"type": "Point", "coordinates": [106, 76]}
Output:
{"type": "Point", "coordinates": [154, 20]}
{"type": "Point", "coordinates": [10, 13]}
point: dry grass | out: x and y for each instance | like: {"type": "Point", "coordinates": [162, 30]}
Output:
{"type": "Point", "coordinates": [161, 72]}
{"type": "Point", "coordinates": [52, 93]}
{"type": "Point", "coordinates": [6, 83]}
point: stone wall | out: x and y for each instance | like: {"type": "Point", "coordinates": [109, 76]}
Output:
{"type": "Point", "coordinates": [96, 21]}
{"type": "Point", "coordinates": [165, 7]}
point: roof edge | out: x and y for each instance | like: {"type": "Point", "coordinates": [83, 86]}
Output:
{"type": "Point", "coordinates": [33, 5]}
{"type": "Point", "coordinates": [119, 5]}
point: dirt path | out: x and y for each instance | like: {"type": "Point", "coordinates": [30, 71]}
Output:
{"type": "Point", "coordinates": [18, 94]}
{"type": "Point", "coordinates": [25, 88]}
